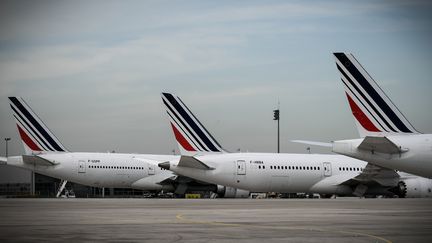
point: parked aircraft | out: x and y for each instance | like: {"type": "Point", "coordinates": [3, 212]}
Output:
{"type": "Point", "coordinates": [205, 160]}
{"type": "Point", "coordinates": [46, 155]}
{"type": "Point", "coordinates": [387, 138]}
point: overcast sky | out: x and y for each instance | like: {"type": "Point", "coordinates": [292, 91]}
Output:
{"type": "Point", "coordinates": [94, 70]}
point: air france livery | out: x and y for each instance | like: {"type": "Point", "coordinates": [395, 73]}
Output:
{"type": "Point", "coordinates": [387, 138]}
{"type": "Point", "coordinates": [204, 159]}
{"type": "Point", "coordinates": [46, 155]}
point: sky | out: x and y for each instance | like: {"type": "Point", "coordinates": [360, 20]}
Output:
{"type": "Point", "coordinates": [93, 70]}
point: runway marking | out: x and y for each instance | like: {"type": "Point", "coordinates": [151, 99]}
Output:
{"type": "Point", "coordinates": [181, 218]}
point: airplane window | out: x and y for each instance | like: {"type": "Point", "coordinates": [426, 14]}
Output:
{"type": "Point", "coordinates": [286, 167]}
{"type": "Point", "coordinates": [278, 167]}
{"type": "Point", "coordinates": [350, 169]}
{"type": "Point", "coordinates": [263, 166]}
{"type": "Point", "coordinates": [314, 168]}
{"type": "Point", "coordinates": [271, 167]}
{"type": "Point", "coordinates": [259, 166]}
{"type": "Point", "coordinates": [307, 168]}
{"type": "Point", "coordinates": [303, 168]}
{"type": "Point", "coordinates": [296, 167]}
{"type": "Point", "coordinates": [289, 167]}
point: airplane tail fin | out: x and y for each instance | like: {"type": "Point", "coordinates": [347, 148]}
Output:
{"type": "Point", "coordinates": [374, 112]}
{"type": "Point", "coordinates": [35, 135]}
{"type": "Point", "coordinates": [192, 137]}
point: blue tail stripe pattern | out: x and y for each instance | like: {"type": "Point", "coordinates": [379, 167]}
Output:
{"type": "Point", "coordinates": [364, 83]}
{"type": "Point", "coordinates": [190, 122]}
{"type": "Point", "coordinates": [27, 117]}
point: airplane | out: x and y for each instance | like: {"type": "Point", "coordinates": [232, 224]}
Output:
{"type": "Point", "coordinates": [204, 159]}
{"type": "Point", "coordinates": [387, 137]}
{"type": "Point", "coordinates": [46, 155]}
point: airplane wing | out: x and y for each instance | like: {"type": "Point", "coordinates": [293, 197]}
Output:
{"type": "Point", "coordinates": [370, 177]}
{"type": "Point", "coordinates": [155, 181]}
{"type": "Point", "coordinates": [313, 143]}
{"type": "Point", "coordinates": [373, 173]}
{"type": "Point", "coordinates": [3, 160]}
{"type": "Point", "coordinates": [37, 160]}
{"type": "Point", "coordinates": [192, 162]}
{"type": "Point", "coordinates": [381, 145]}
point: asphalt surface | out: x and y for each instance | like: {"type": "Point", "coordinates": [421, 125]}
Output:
{"type": "Point", "coordinates": [216, 220]}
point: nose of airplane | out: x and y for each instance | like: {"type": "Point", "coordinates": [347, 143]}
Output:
{"type": "Point", "coordinates": [164, 165]}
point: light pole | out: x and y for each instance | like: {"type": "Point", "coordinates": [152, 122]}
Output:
{"type": "Point", "coordinates": [276, 118]}
{"type": "Point", "coordinates": [7, 140]}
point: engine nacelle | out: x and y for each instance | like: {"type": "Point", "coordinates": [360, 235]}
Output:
{"type": "Point", "coordinates": [414, 188]}
{"type": "Point", "coordinates": [231, 192]}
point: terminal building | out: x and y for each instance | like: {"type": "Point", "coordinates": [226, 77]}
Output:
{"type": "Point", "coordinates": [18, 182]}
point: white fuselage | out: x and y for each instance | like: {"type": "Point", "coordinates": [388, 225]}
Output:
{"type": "Point", "coordinates": [265, 172]}
{"type": "Point", "coordinates": [102, 169]}
{"type": "Point", "coordinates": [417, 158]}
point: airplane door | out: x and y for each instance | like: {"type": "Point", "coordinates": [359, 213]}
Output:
{"type": "Point", "coordinates": [81, 167]}
{"type": "Point", "coordinates": [241, 167]}
{"type": "Point", "coordinates": [327, 169]}
{"type": "Point", "coordinates": [151, 169]}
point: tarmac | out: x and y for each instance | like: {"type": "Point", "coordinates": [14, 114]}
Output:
{"type": "Point", "coordinates": [216, 220]}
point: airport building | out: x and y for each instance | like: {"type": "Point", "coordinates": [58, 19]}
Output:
{"type": "Point", "coordinates": [17, 182]}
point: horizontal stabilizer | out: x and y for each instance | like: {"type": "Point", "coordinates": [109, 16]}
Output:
{"type": "Point", "coordinates": [37, 160]}
{"type": "Point", "coordinates": [380, 145]}
{"type": "Point", "coordinates": [313, 143]}
{"type": "Point", "coordinates": [192, 162]}
{"type": "Point", "coordinates": [3, 160]}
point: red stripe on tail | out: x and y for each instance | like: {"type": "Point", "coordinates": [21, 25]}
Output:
{"type": "Point", "coordinates": [184, 143]}
{"type": "Point", "coordinates": [361, 117]}
{"type": "Point", "coordinates": [27, 140]}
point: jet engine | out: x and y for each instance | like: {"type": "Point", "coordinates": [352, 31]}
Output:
{"type": "Point", "coordinates": [413, 188]}
{"type": "Point", "coordinates": [231, 192]}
